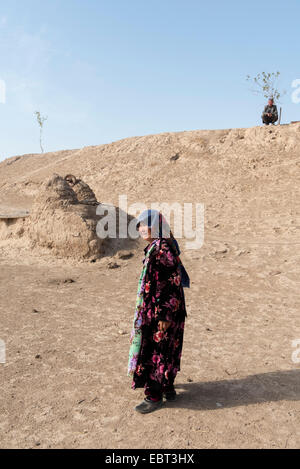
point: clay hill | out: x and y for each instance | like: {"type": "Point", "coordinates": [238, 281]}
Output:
{"type": "Point", "coordinates": [67, 297]}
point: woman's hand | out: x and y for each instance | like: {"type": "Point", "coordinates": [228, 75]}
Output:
{"type": "Point", "coordinates": [164, 325]}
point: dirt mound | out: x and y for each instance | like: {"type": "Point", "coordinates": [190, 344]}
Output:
{"type": "Point", "coordinates": [63, 224]}
{"type": "Point", "coordinates": [67, 324]}
{"type": "Point", "coordinates": [59, 222]}
{"type": "Point", "coordinates": [236, 173]}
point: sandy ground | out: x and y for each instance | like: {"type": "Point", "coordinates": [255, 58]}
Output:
{"type": "Point", "coordinates": [66, 324]}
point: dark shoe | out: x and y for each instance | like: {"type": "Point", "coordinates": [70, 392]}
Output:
{"type": "Point", "coordinates": [147, 406]}
{"type": "Point", "coordinates": [170, 395]}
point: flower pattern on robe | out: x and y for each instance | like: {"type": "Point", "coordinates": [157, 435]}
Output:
{"type": "Point", "coordinates": [163, 300]}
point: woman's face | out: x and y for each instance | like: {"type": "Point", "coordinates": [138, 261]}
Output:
{"type": "Point", "coordinates": [145, 232]}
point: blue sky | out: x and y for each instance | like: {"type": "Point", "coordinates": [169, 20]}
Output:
{"type": "Point", "coordinates": [105, 70]}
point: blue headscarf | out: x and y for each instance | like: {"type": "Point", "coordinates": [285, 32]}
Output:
{"type": "Point", "coordinates": [161, 229]}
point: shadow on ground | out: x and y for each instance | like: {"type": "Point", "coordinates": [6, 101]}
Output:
{"type": "Point", "coordinates": [255, 389]}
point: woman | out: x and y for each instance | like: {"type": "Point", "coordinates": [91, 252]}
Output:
{"type": "Point", "coordinates": [157, 335]}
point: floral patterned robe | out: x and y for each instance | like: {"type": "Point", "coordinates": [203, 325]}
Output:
{"type": "Point", "coordinates": [163, 300]}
